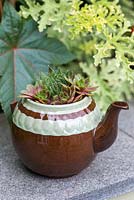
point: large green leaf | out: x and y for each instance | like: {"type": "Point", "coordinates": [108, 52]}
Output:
{"type": "Point", "coordinates": [24, 51]}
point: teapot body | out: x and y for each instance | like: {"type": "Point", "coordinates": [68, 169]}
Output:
{"type": "Point", "coordinates": [55, 140]}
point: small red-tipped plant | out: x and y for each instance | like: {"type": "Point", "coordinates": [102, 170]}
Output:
{"type": "Point", "coordinates": [58, 88]}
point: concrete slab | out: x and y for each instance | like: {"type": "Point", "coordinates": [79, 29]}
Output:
{"type": "Point", "coordinates": [111, 174]}
{"type": "Point", "coordinates": [128, 196]}
{"type": "Point", "coordinates": [127, 120]}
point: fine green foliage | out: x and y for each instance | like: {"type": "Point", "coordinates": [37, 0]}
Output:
{"type": "Point", "coordinates": [58, 88]}
{"type": "Point", "coordinates": [105, 21]}
{"type": "Point", "coordinates": [99, 33]}
{"type": "Point", "coordinates": [128, 9]}
{"type": "Point", "coordinates": [112, 85]}
{"type": "Point", "coordinates": [48, 13]}
{"type": "Point", "coordinates": [24, 51]}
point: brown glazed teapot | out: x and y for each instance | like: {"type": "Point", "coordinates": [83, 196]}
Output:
{"type": "Point", "coordinates": [61, 140]}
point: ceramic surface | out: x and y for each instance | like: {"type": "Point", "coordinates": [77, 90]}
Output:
{"type": "Point", "coordinates": [56, 120]}
{"type": "Point", "coordinates": [61, 140]}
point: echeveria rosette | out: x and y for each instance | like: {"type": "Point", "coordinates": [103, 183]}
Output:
{"type": "Point", "coordinates": [31, 92]}
{"type": "Point", "coordinates": [69, 89]}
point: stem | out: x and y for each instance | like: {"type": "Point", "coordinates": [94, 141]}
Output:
{"type": "Point", "coordinates": [13, 2]}
{"type": "Point", "coordinates": [0, 10]}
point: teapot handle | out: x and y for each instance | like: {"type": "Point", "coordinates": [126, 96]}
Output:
{"type": "Point", "coordinates": [13, 105]}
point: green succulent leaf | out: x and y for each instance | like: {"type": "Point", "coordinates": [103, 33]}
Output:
{"type": "Point", "coordinates": [58, 88]}
{"type": "Point", "coordinates": [23, 52]}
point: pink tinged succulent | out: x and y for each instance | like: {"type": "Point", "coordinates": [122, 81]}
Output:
{"type": "Point", "coordinates": [78, 98]}
{"type": "Point", "coordinates": [69, 89]}
{"type": "Point", "coordinates": [72, 94]}
{"type": "Point", "coordinates": [31, 91]}
{"type": "Point", "coordinates": [86, 91]}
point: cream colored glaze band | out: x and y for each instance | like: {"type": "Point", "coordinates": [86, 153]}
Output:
{"type": "Point", "coordinates": [57, 109]}
{"type": "Point", "coordinates": [57, 128]}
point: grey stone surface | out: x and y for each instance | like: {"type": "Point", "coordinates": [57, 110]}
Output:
{"type": "Point", "coordinates": [110, 174]}
{"type": "Point", "coordinates": [126, 122]}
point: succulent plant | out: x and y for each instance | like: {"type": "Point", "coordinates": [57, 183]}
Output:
{"type": "Point", "coordinates": [58, 88]}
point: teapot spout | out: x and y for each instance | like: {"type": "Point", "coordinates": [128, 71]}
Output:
{"type": "Point", "coordinates": [120, 105]}
{"type": "Point", "coordinates": [106, 132]}
{"type": "Point", "coordinates": [13, 105]}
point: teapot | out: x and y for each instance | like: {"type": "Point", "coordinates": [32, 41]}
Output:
{"type": "Point", "coordinates": [61, 140]}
